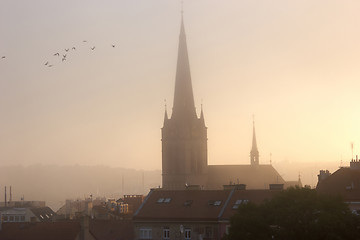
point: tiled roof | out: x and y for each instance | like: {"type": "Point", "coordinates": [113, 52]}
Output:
{"type": "Point", "coordinates": [112, 229]}
{"type": "Point", "coordinates": [40, 231]}
{"type": "Point", "coordinates": [243, 196]}
{"type": "Point", "coordinates": [255, 177]}
{"type": "Point", "coordinates": [196, 205]}
{"type": "Point", "coordinates": [344, 182]}
{"type": "Point", "coordinates": [44, 214]}
{"type": "Point", "coordinates": [182, 204]}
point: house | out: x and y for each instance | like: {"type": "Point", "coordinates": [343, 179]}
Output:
{"type": "Point", "coordinates": [344, 182]}
{"type": "Point", "coordinates": [192, 214]}
{"type": "Point", "coordinates": [27, 214]}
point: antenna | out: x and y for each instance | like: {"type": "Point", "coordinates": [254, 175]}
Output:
{"type": "Point", "coordinates": [352, 151]}
{"type": "Point", "coordinates": [122, 185]}
{"type": "Point", "coordinates": [5, 198]}
{"type": "Point", "coordinates": [341, 161]}
{"type": "Point", "coordinates": [270, 158]}
{"type": "Point", "coordinates": [143, 184]}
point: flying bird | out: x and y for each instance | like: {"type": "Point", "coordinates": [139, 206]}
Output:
{"type": "Point", "coordinates": [64, 56]}
{"type": "Point", "coordinates": [50, 65]}
{"type": "Point", "coordinates": [66, 49]}
{"type": "Point", "coordinates": [93, 48]}
{"type": "Point", "coordinates": [2, 57]}
{"type": "Point", "coordinates": [84, 41]}
{"type": "Point", "coordinates": [73, 48]}
{"type": "Point", "coordinates": [57, 54]}
{"type": "Point", "coordinates": [113, 46]}
{"type": "Point", "coordinates": [46, 63]}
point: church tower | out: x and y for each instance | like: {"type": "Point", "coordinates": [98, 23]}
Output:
{"type": "Point", "coordinates": [184, 135]}
{"type": "Point", "coordinates": [254, 153]}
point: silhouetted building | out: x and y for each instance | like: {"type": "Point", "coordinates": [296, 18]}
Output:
{"type": "Point", "coordinates": [184, 143]}
{"type": "Point", "coordinates": [345, 182]}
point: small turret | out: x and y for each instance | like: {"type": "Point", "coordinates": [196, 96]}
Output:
{"type": "Point", "coordinates": [254, 153]}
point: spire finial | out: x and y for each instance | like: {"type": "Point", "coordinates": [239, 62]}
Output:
{"type": "Point", "coordinates": [165, 104]}
{"type": "Point", "coordinates": [253, 117]}
{"type": "Point", "coordinates": [182, 9]}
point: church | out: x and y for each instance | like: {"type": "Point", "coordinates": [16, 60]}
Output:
{"type": "Point", "coordinates": [184, 144]}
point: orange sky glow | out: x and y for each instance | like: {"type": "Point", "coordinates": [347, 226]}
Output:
{"type": "Point", "coordinates": [293, 64]}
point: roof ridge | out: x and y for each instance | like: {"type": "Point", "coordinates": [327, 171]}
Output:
{"type": "Point", "coordinates": [226, 203]}
{"type": "Point", "coordinates": [143, 203]}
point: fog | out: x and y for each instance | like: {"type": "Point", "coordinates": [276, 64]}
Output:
{"type": "Point", "coordinates": [293, 64]}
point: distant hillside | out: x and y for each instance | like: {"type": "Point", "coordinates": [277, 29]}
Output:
{"type": "Point", "coordinates": [54, 184]}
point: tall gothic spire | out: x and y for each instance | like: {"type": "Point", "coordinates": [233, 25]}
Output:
{"type": "Point", "coordinates": [254, 153]}
{"type": "Point", "coordinates": [184, 106]}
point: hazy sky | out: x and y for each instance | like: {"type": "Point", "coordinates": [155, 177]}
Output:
{"type": "Point", "coordinates": [294, 64]}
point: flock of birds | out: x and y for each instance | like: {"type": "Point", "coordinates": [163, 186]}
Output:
{"type": "Point", "coordinates": [64, 55]}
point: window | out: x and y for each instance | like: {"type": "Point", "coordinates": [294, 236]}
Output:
{"type": "Point", "coordinates": [187, 234]}
{"type": "Point", "coordinates": [11, 218]}
{"type": "Point", "coordinates": [5, 218]}
{"type": "Point", "coordinates": [145, 233]}
{"type": "Point", "coordinates": [209, 232]}
{"type": "Point", "coordinates": [163, 200]}
{"type": "Point", "coordinates": [239, 202]}
{"type": "Point", "coordinates": [188, 203]}
{"type": "Point", "coordinates": [17, 218]}
{"type": "Point", "coordinates": [217, 203]}
{"type": "Point", "coordinates": [22, 218]}
{"type": "Point", "coordinates": [166, 233]}
{"type": "Point", "coordinates": [214, 203]}
{"type": "Point", "coordinates": [160, 200]}
{"type": "Point", "coordinates": [227, 230]}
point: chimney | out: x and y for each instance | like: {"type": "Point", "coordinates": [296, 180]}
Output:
{"type": "Point", "coordinates": [324, 174]}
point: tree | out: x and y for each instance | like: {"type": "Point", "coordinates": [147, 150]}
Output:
{"type": "Point", "coordinates": [295, 213]}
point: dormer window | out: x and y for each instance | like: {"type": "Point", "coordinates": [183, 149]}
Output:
{"type": "Point", "coordinates": [215, 203]}
{"type": "Point", "coordinates": [239, 202]}
{"type": "Point", "coordinates": [160, 200]}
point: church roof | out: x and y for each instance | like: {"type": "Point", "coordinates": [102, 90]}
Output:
{"type": "Point", "coordinates": [254, 176]}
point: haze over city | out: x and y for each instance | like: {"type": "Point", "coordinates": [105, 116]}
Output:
{"type": "Point", "coordinates": [292, 64]}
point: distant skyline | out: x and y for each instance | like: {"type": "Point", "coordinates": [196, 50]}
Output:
{"type": "Point", "coordinates": [293, 64]}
